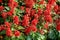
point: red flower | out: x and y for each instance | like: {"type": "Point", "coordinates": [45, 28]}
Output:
{"type": "Point", "coordinates": [4, 15]}
{"type": "Point", "coordinates": [16, 20]}
{"type": "Point", "coordinates": [2, 28]}
{"type": "Point", "coordinates": [47, 12]}
{"type": "Point", "coordinates": [30, 28]}
{"type": "Point", "coordinates": [41, 2]}
{"type": "Point", "coordinates": [39, 12]}
{"type": "Point", "coordinates": [35, 0]}
{"type": "Point", "coordinates": [55, 8]}
{"type": "Point", "coordinates": [1, 8]}
{"type": "Point", "coordinates": [8, 25]}
{"type": "Point", "coordinates": [46, 25]}
{"type": "Point", "coordinates": [57, 24]}
{"type": "Point", "coordinates": [29, 3]}
{"type": "Point", "coordinates": [33, 27]}
{"type": "Point", "coordinates": [0, 1]}
{"type": "Point", "coordinates": [25, 21]}
{"type": "Point", "coordinates": [27, 30]}
{"type": "Point", "coordinates": [10, 4]}
{"type": "Point", "coordinates": [32, 12]}
{"type": "Point", "coordinates": [16, 33]}
{"type": "Point", "coordinates": [28, 10]}
{"type": "Point", "coordinates": [48, 7]}
{"type": "Point", "coordinates": [15, 4]}
{"type": "Point", "coordinates": [34, 22]}
{"type": "Point", "coordinates": [51, 1]}
{"type": "Point", "coordinates": [8, 32]}
{"type": "Point", "coordinates": [41, 31]}
{"type": "Point", "coordinates": [57, 21]}
{"type": "Point", "coordinates": [36, 16]}
{"type": "Point", "coordinates": [58, 27]}
{"type": "Point", "coordinates": [48, 18]}
{"type": "Point", "coordinates": [22, 7]}
{"type": "Point", "coordinates": [58, 11]}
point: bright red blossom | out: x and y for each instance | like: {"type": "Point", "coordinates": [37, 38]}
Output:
{"type": "Point", "coordinates": [1, 8]}
{"type": "Point", "coordinates": [58, 26]}
{"type": "Point", "coordinates": [4, 15]}
{"type": "Point", "coordinates": [34, 22]}
{"type": "Point", "coordinates": [22, 7]}
{"type": "Point", "coordinates": [16, 19]}
{"type": "Point", "coordinates": [8, 32]}
{"type": "Point", "coordinates": [32, 12]}
{"type": "Point", "coordinates": [25, 21]}
{"type": "Point", "coordinates": [47, 12]}
{"type": "Point", "coordinates": [28, 10]}
{"type": "Point", "coordinates": [2, 28]}
{"type": "Point", "coordinates": [41, 2]}
{"type": "Point", "coordinates": [30, 28]}
{"type": "Point", "coordinates": [39, 12]}
{"type": "Point", "coordinates": [55, 8]}
{"type": "Point", "coordinates": [48, 18]}
{"type": "Point", "coordinates": [46, 25]}
{"type": "Point", "coordinates": [8, 25]}
{"type": "Point", "coordinates": [29, 3]}
{"type": "Point", "coordinates": [0, 1]}
{"type": "Point", "coordinates": [16, 33]}
{"type": "Point", "coordinates": [51, 1]}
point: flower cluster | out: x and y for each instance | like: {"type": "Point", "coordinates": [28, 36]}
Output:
{"type": "Point", "coordinates": [21, 17]}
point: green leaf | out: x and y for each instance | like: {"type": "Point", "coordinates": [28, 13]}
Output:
{"type": "Point", "coordinates": [1, 20]}
{"type": "Point", "coordinates": [6, 38]}
{"type": "Point", "coordinates": [35, 6]}
{"type": "Point", "coordinates": [2, 32]}
{"type": "Point", "coordinates": [28, 38]}
{"type": "Point", "coordinates": [53, 34]}
{"type": "Point", "coordinates": [20, 27]}
{"type": "Point", "coordinates": [22, 37]}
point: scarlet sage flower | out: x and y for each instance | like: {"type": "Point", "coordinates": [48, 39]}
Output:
{"type": "Point", "coordinates": [30, 28]}
{"type": "Point", "coordinates": [16, 33]}
{"type": "Point", "coordinates": [4, 15]}
{"type": "Point", "coordinates": [36, 16]}
{"type": "Point", "coordinates": [48, 18]}
{"type": "Point", "coordinates": [2, 28]}
{"type": "Point", "coordinates": [46, 25]}
{"type": "Point", "coordinates": [8, 25]}
{"type": "Point", "coordinates": [32, 12]}
{"type": "Point", "coordinates": [1, 8]}
{"type": "Point", "coordinates": [35, 0]}
{"type": "Point", "coordinates": [10, 4]}
{"type": "Point", "coordinates": [15, 4]}
{"type": "Point", "coordinates": [34, 22]}
{"type": "Point", "coordinates": [41, 2]}
{"type": "Point", "coordinates": [51, 1]}
{"type": "Point", "coordinates": [48, 6]}
{"type": "Point", "coordinates": [10, 13]}
{"type": "Point", "coordinates": [58, 27]}
{"type": "Point", "coordinates": [16, 20]}
{"type": "Point", "coordinates": [57, 21]}
{"type": "Point", "coordinates": [55, 8]}
{"type": "Point", "coordinates": [29, 3]}
{"type": "Point", "coordinates": [0, 1]}
{"type": "Point", "coordinates": [22, 7]}
{"type": "Point", "coordinates": [8, 32]}
{"type": "Point", "coordinates": [27, 30]}
{"type": "Point", "coordinates": [25, 21]}
{"type": "Point", "coordinates": [47, 12]}
{"type": "Point", "coordinates": [28, 10]}
{"type": "Point", "coordinates": [39, 12]}
{"type": "Point", "coordinates": [33, 28]}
